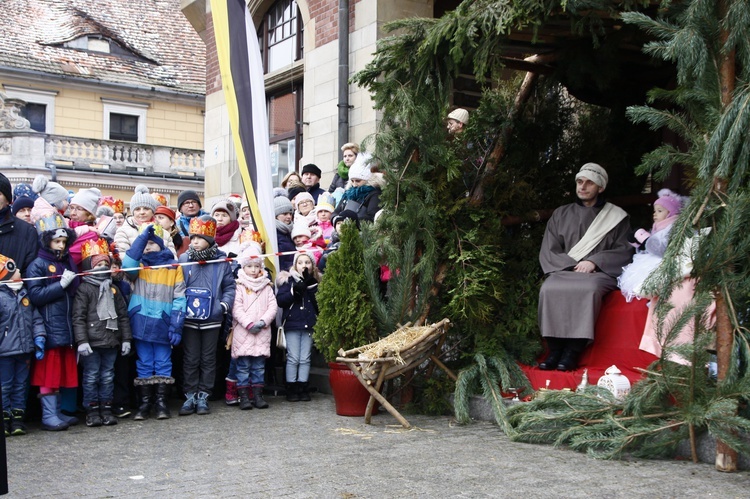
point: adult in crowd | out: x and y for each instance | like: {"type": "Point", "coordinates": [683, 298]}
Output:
{"type": "Point", "coordinates": [311, 179]}
{"type": "Point", "coordinates": [284, 215]}
{"type": "Point", "coordinates": [117, 206]}
{"type": "Point", "coordinates": [189, 205]}
{"type": "Point", "coordinates": [143, 208]}
{"type": "Point", "coordinates": [21, 208]}
{"type": "Point", "coordinates": [18, 240]}
{"type": "Point", "coordinates": [350, 151]}
{"type": "Point", "coordinates": [291, 178]}
{"type": "Point", "coordinates": [362, 195]}
{"type": "Point", "coordinates": [584, 249]}
{"type": "Point", "coordinates": [457, 121]}
{"type": "Point", "coordinates": [228, 229]}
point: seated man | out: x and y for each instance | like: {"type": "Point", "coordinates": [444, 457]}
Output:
{"type": "Point", "coordinates": [583, 251]}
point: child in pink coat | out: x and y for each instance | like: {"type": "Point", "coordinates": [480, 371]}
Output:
{"type": "Point", "coordinates": [254, 310]}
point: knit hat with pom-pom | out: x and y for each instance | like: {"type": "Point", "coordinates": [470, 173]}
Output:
{"type": "Point", "coordinates": [142, 198]}
{"type": "Point", "coordinates": [671, 201]}
{"type": "Point", "coordinates": [52, 192]}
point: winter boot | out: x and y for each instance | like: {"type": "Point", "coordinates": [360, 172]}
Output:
{"type": "Point", "coordinates": [145, 399]}
{"type": "Point", "coordinates": [17, 427]}
{"type": "Point", "coordinates": [105, 411]}
{"type": "Point", "coordinates": [231, 394]}
{"type": "Point", "coordinates": [201, 404]}
{"type": "Point", "coordinates": [304, 391]}
{"type": "Point", "coordinates": [69, 420]}
{"type": "Point", "coordinates": [291, 392]}
{"type": "Point", "coordinates": [246, 402]}
{"type": "Point", "coordinates": [188, 407]}
{"type": "Point", "coordinates": [93, 418]}
{"type": "Point", "coordinates": [162, 404]}
{"type": "Point", "coordinates": [258, 401]}
{"type": "Point", "coordinates": [50, 421]}
{"type": "Point", "coordinates": [6, 422]}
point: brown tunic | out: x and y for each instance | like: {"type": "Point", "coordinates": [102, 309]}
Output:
{"type": "Point", "coordinates": [569, 302]}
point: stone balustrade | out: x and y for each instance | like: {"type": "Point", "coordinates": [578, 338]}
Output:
{"type": "Point", "coordinates": [29, 148]}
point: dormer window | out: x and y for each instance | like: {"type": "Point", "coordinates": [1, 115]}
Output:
{"type": "Point", "coordinates": [98, 43]}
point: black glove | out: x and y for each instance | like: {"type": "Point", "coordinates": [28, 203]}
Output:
{"type": "Point", "coordinates": [299, 288]}
{"type": "Point", "coordinates": [308, 278]}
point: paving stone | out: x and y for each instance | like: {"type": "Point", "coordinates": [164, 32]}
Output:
{"type": "Point", "coordinates": [305, 450]}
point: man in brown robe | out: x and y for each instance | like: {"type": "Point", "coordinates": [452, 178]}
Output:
{"type": "Point", "coordinates": [583, 251]}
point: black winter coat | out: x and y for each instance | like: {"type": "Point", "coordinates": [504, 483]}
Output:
{"type": "Point", "coordinates": [300, 312]}
{"type": "Point", "coordinates": [55, 303]}
{"type": "Point", "coordinates": [88, 328]}
{"type": "Point", "coordinates": [18, 240]}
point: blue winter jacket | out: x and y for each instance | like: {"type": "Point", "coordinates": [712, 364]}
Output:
{"type": "Point", "coordinates": [219, 279]}
{"type": "Point", "coordinates": [20, 322]}
{"type": "Point", "coordinates": [54, 302]}
{"type": "Point", "coordinates": [285, 243]}
{"type": "Point", "coordinates": [300, 312]}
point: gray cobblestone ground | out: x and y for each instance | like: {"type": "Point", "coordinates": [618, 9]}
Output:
{"type": "Point", "coordinates": [305, 450]}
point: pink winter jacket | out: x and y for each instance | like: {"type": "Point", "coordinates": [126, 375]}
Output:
{"type": "Point", "coordinates": [254, 301]}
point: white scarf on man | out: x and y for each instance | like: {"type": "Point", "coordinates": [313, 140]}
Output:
{"type": "Point", "coordinates": [604, 222]}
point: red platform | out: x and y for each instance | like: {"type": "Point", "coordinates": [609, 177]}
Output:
{"type": "Point", "coordinates": [618, 333]}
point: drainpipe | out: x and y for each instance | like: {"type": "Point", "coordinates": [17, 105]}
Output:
{"type": "Point", "coordinates": [343, 104]}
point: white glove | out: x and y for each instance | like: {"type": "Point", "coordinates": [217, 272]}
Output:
{"type": "Point", "coordinates": [67, 278]}
{"type": "Point", "coordinates": [84, 350]}
{"type": "Point", "coordinates": [125, 348]}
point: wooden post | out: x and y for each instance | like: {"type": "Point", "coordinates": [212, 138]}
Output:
{"type": "Point", "coordinates": [726, 458]}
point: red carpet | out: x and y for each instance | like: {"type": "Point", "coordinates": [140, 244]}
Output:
{"type": "Point", "coordinates": [618, 334]}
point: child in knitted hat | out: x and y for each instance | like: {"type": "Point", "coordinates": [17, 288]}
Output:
{"type": "Point", "coordinates": [143, 208]}
{"type": "Point", "coordinates": [55, 194]}
{"type": "Point", "coordinates": [53, 293]}
{"type": "Point", "coordinates": [296, 295]}
{"type": "Point", "coordinates": [323, 212]}
{"type": "Point", "coordinates": [284, 212]}
{"type": "Point", "coordinates": [651, 250]}
{"type": "Point", "coordinates": [210, 295]}
{"type": "Point", "coordinates": [157, 313]}
{"type": "Point", "coordinates": [102, 330]}
{"type": "Point", "coordinates": [253, 312]}
{"type": "Point", "coordinates": [228, 229]}
{"type": "Point", "coordinates": [21, 322]}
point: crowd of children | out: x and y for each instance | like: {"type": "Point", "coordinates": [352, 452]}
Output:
{"type": "Point", "coordinates": [191, 284]}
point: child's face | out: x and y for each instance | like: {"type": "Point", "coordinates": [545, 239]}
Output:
{"type": "Point", "coordinates": [285, 218]}
{"type": "Point", "coordinates": [151, 247]}
{"type": "Point", "coordinates": [245, 213]}
{"type": "Point", "coordinates": [119, 218]}
{"type": "Point", "coordinates": [164, 221]}
{"type": "Point", "coordinates": [253, 269]}
{"type": "Point", "coordinates": [58, 244]}
{"type": "Point", "coordinates": [103, 265]}
{"type": "Point", "coordinates": [338, 226]}
{"type": "Point", "coordinates": [198, 243]}
{"type": "Point", "coordinates": [305, 206]}
{"type": "Point", "coordinates": [304, 262]}
{"type": "Point", "coordinates": [300, 240]}
{"type": "Point", "coordinates": [324, 215]}
{"type": "Point", "coordinates": [660, 213]}
{"type": "Point", "coordinates": [221, 217]}
{"type": "Point", "coordinates": [142, 214]}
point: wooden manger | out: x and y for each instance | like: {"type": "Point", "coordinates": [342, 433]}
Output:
{"type": "Point", "coordinates": [405, 349]}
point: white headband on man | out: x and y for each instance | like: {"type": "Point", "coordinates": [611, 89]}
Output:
{"type": "Point", "coordinates": [595, 173]}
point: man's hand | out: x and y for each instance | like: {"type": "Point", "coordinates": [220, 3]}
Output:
{"type": "Point", "coordinates": [585, 266]}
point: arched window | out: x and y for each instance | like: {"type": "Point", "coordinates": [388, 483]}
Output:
{"type": "Point", "coordinates": [280, 40]}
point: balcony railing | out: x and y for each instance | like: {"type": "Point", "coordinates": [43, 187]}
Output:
{"type": "Point", "coordinates": [128, 156]}
{"type": "Point", "coordinates": [33, 149]}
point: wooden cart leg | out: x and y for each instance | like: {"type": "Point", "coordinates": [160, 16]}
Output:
{"type": "Point", "coordinates": [443, 367]}
{"type": "Point", "coordinates": [371, 402]}
{"type": "Point", "coordinates": [381, 399]}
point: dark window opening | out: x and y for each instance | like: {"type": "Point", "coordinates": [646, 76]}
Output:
{"type": "Point", "coordinates": [123, 127]}
{"type": "Point", "coordinates": [37, 116]}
